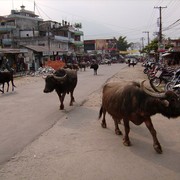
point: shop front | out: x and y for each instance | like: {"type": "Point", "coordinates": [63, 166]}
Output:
{"type": "Point", "coordinates": [15, 58]}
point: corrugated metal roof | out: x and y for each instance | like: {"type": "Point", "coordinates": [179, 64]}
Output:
{"type": "Point", "coordinates": [37, 48]}
{"type": "Point", "coordinates": [43, 48]}
{"type": "Point", "coordinates": [10, 50]}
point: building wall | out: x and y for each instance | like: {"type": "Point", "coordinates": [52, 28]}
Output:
{"type": "Point", "coordinates": [28, 33]}
{"type": "Point", "coordinates": [30, 30]}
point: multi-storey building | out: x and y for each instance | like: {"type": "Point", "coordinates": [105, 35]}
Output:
{"type": "Point", "coordinates": [104, 47]}
{"type": "Point", "coordinates": [24, 35]}
{"type": "Point", "coordinates": [172, 55]}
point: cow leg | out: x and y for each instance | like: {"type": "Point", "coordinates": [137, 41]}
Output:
{"type": "Point", "coordinates": [61, 98]}
{"type": "Point", "coordinates": [12, 85]}
{"type": "Point", "coordinates": [7, 86]}
{"type": "Point", "coordinates": [72, 98]}
{"type": "Point", "coordinates": [117, 130]}
{"type": "Point", "coordinates": [156, 143]}
{"type": "Point", "coordinates": [126, 140]}
{"type": "Point", "coordinates": [3, 88]}
{"type": "Point", "coordinates": [103, 124]}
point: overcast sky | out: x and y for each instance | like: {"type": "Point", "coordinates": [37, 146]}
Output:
{"type": "Point", "coordinates": [107, 18]}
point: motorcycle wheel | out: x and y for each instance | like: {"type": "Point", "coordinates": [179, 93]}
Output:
{"type": "Point", "coordinates": [145, 71]}
{"type": "Point", "coordinates": [156, 81]}
{"type": "Point", "coordinates": [169, 86]}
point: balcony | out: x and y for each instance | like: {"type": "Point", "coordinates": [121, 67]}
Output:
{"type": "Point", "coordinates": [78, 43]}
{"type": "Point", "coordinates": [7, 41]}
{"type": "Point", "coordinates": [61, 38]}
{"type": "Point", "coordinates": [71, 40]}
{"type": "Point", "coordinates": [64, 39]}
{"type": "Point", "coordinates": [7, 28]}
{"type": "Point", "coordinates": [80, 33]}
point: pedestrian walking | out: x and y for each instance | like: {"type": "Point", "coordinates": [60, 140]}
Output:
{"type": "Point", "coordinates": [5, 64]}
{"type": "Point", "coordinates": [129, 62]}
{"type": "Point", "coordinates": [133, 62]}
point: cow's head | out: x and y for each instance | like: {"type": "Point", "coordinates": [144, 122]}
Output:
{"type": "Point", "coordinates": [170, 101]}
{"type": "Point", "coordinates": [49, 84]}
{"type": "Point", "coordinates": [53, 81]}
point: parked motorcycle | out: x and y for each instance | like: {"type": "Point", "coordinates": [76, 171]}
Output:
{"type": "Point", "coordinates": [164, 75]}
{"type": "Point", "coordinates": [148, 67]}
{"type": "Point", "coordinates": [151, 73]}
{"type": "Point", "coordinates": [173, 85]}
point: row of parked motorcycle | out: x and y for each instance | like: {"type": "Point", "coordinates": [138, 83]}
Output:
{"type": "Point", "coordinates": [163, 77]}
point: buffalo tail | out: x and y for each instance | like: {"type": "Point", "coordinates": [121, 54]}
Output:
{"type": "Point", "coordinates": [100, 111]}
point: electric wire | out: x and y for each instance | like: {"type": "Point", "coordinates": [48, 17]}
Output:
{"type": "Point", "coordinates": [126, 31]}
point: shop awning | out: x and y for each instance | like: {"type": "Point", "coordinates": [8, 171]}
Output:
{"type": "Point", "coordinates": [44, 49]}
{"type": "Point", "coordinates": [166, 54]}
{"type": "Point", "coordinates": [123, 52]}
{"type": "Point", "coordinates": [9, 51]}
{"type": "Point", "coordinates": [129, 52]}
{"type": "Point", "coordinates": [37, 48]}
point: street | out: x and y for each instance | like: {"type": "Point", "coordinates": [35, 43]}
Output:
{"type": "Point", "coordinates": [27, 112]}
{"type": "Point", "coordinates": [74, 145]}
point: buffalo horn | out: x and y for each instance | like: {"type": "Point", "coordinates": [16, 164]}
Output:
{"type": "Point", "coordinates": [60, 78]}
{"type": "Point", "coordinates": [153, 94]}
{"type": "Point", "coordinates": [44, 76]}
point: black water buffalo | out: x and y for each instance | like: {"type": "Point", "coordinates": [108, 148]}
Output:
{"type": "Point", "coordinates": [62, 81]}
{"type": "Point", "coordinates": [82, 65]}
{"type": "Point", "coordinates": [134, 102]}
{"type": "Point", "coordinates": [95, 67]}
{"type": "Point", "coordinates": [6, 77]}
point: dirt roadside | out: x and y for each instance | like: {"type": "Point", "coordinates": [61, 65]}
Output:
{"type": "Point", "coordinates": [23, 80]}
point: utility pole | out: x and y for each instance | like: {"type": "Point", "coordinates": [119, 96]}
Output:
{"type": "Point", "coordinates": [147, 35]}
{"type": "Point", "coordinates": [34, 5]}
{"type": "Point", "coordinates": [160, 23]}
{"type": "Point", "coordinates": [160, 32]}
{"type": "Point", "coordinates": [49, 46]}
{"type": "Point", "coordinates": [142, 39]}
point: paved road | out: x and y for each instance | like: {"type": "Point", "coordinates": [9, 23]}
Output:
{"type": "Point", "coordinates": [77, 148]}
{"type": "Point", "coordinates": [28, 112]}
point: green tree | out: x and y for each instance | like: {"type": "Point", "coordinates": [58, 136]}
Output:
{"type": "Point", "coordinates": [153, 46]}
{"type": "Point", "coordinates": [78, 25]}
{"type": "Point", "coordinates": [122, 44]}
